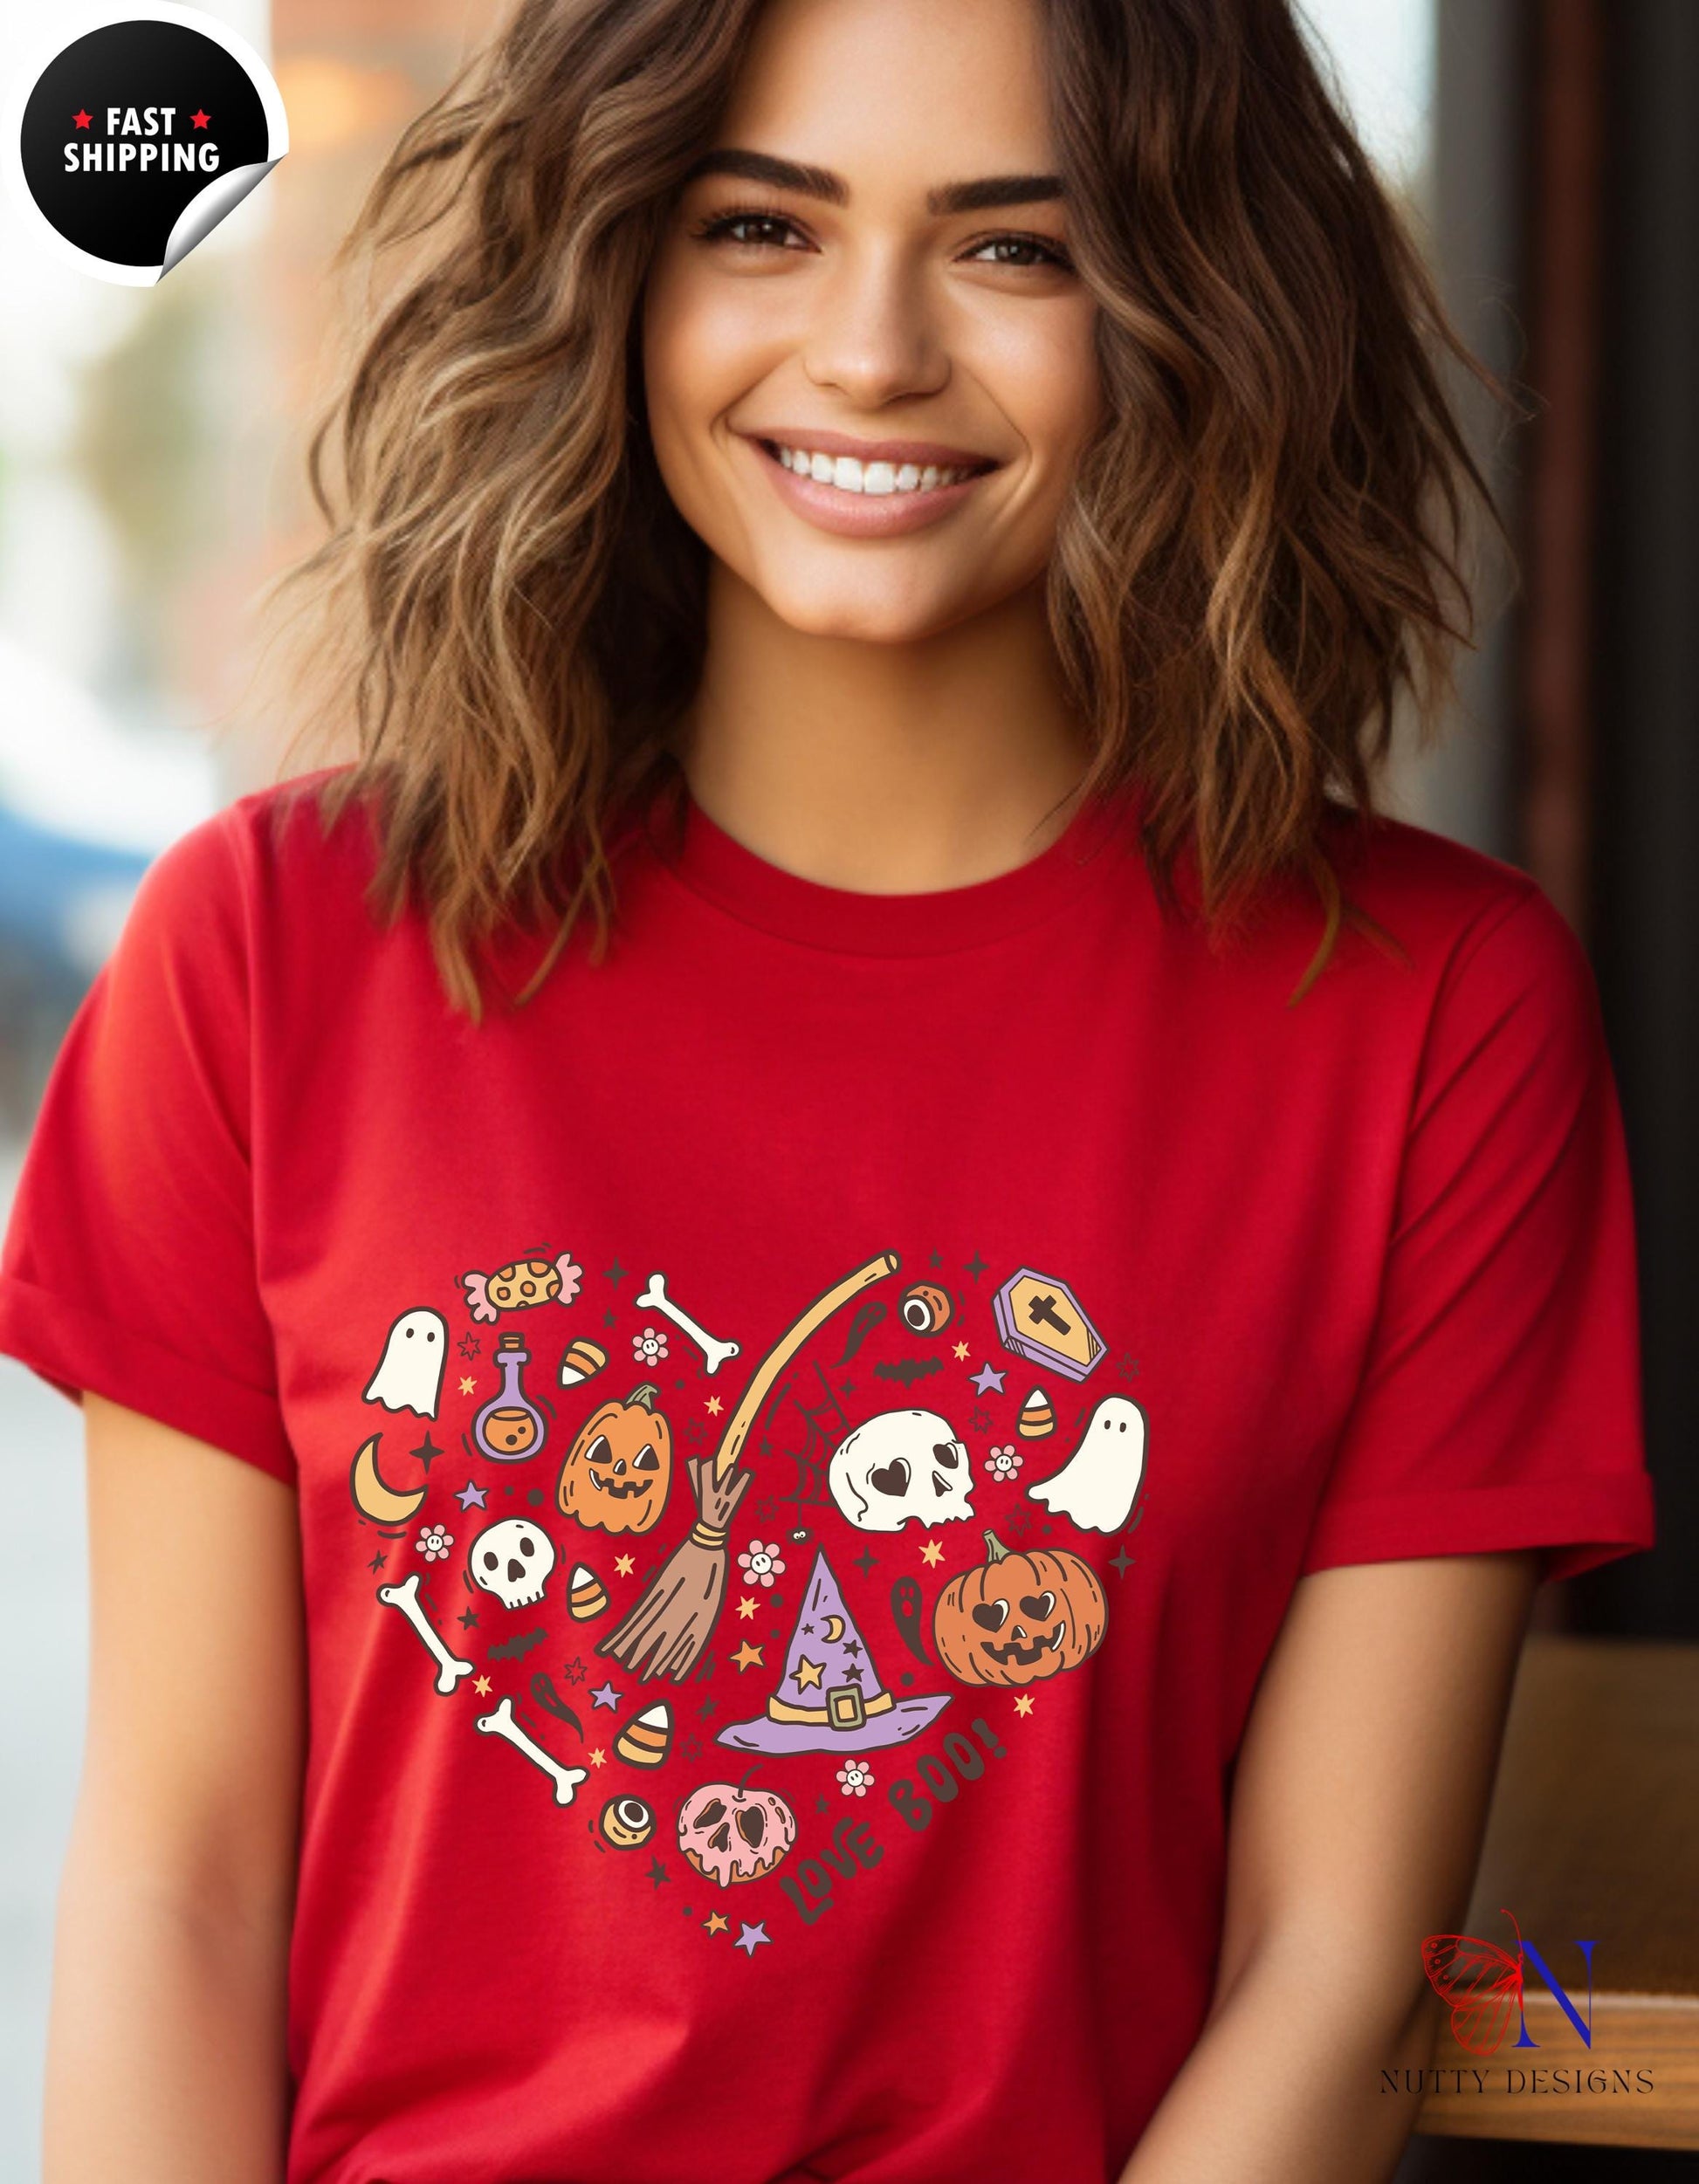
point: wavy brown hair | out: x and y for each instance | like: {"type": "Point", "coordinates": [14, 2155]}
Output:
{"type": "Point", "coordinates": [1265, 541]}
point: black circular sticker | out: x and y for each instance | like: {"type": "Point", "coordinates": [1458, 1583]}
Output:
{"type": "Point", "coordinates": [135, 137]}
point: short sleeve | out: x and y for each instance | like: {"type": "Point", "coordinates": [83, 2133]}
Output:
{"type": "Point", "coordinates": [1500, 1404]}
{"type": "Point", "coordinates": [129, 1264]}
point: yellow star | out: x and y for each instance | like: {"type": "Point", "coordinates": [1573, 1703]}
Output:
{"type": "Point", "coordinates": [808, 1673]}
{"type": "Point", "coordinates": [931, 1553]}
{"type": "Point", "coordinates": [961, 1349]}
{"type": "Point", "coordinates": [481, 1686]}
{"type": "Point", "coordinates": [714, 1924]}
{"type": "Point", "coordinates": [623, 1564]}
{"type": "Point", "coordinates": [746, 1607]}
{"type": "Point", "coordinates": [747, 1656]}
{"type": "Point", "coordinates": [468, 1387]}
{"type": "Point", "coordinates": [598, 1758]}
{"type": "Point", "coordinates": [1023, 1704]}
{"type": "Point", "coordinates": [714, 1408]}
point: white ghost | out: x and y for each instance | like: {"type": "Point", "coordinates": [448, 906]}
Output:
{"type": "Point", "coordinates": [1098, 1484]}
{"type": "Point", "coordinates": [410, 1373]}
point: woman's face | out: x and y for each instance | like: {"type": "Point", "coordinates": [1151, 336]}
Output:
{"type": "Point", "coordinates": [869, 366]}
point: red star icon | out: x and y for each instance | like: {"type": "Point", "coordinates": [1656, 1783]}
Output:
{"type": "Point", "coordinates": [82, 118]}
{"type": "Point", "coordinates": [200, 117]}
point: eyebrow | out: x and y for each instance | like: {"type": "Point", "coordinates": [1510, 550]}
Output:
{"type": "Point", "coordinates": [985, 194]}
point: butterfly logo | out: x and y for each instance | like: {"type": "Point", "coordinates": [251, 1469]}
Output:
{"type": "Point", "coordinates": [1481, 1982]}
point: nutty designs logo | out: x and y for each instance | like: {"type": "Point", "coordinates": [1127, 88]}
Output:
{"type": "Point", "coordinates": [134, 134]}
{"type": "Point", "coordinates": [1483, 1984]}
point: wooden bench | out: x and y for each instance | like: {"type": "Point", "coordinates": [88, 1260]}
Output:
{"type": "Point", "coordinates": [1594, 1835]}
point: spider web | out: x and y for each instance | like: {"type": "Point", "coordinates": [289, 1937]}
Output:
{"type": "Point", "coordinates": [811, 1432]}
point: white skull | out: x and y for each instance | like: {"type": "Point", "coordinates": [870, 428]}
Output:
{"type": "Point", "coordinates": [512, 1560]}
{"type": "Point", "coordinates": [900, 1464]}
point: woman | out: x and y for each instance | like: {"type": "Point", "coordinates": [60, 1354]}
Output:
{"type": "Point", "coordinates": [907, 1316]}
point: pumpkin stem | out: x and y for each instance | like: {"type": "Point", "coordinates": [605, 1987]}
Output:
{"type": "Point", "coordinates": [994, 1549]}
{"type": "Point", "coordinates": [645, 1395]}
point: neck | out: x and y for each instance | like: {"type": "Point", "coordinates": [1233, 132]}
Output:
{"type": "Point", "coordinates": [884, 768]}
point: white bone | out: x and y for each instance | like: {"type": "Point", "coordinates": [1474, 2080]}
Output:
{"type": "Point", "coordinates": [501, 1723]}
{"type": "Point", "coordinates": [406, 1597]}
{"type": "Point", "coordinates": [654, 1299]}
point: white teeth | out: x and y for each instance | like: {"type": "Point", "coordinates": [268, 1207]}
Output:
{"type": "Point", "coordinates": [850, 474]}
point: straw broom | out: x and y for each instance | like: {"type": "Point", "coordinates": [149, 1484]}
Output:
{"type": "Point", "coordinates": [670, 1625]}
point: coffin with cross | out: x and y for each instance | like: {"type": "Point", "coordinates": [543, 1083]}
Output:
{"type": "Point", "coordinates": [1042, 1320]}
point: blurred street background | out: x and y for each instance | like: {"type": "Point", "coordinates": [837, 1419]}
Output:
{"type": "Point", "coordinates": [151, 483]}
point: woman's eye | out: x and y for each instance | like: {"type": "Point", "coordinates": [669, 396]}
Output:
{"type": "Point", "coordinates": [753, 230]}
{"type": "Point", "coordinates": [1020, 250]}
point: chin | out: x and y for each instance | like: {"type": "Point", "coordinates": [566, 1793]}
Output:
{"type": "Point", "coordinates": [860, 614]}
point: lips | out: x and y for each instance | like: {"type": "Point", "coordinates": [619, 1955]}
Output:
{"type": "Point", "coordinates": [888, 487]}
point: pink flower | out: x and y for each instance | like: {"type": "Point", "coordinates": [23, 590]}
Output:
{"type": "Point", "coordinates": [762, 1564]}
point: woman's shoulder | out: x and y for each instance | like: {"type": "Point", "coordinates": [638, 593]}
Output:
{"type": "Point", "coordinates": [1494, 956]}
{"type": "Point", "coordinates": [1439, 897]}
{"type": "Point", "coordinates": [270, 878]}
{"type": "Point", "coordinates": [283, 842]}
{"type": "Point", "coordinates": [1401, 862]}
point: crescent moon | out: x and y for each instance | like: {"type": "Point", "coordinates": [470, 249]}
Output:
{"type": "Point", "coordinates": [834, 1629]}
{"type": "Point", "coordinates": [372, 1498]}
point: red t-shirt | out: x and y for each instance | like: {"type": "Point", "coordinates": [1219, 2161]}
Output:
{"type": "Point", "coordinates": [887, 1843]}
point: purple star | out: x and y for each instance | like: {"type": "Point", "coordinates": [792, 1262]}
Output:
{"type": "Point", "coordinates": [471, 1497]}
{"type": "Point", "coordinates": [606, 1697]}
{"type": "Point", "coordinates": [986, 1379]}
{"type": "Point", "coordinates": [752, 1937]}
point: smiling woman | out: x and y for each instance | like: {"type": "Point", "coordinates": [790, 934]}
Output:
{"type": "Point", "coordinates": [1125, 270]}
{"type": "Point", "coordinates": [894, 518]}
{"type": "Point", "coordinates": [876, 284]}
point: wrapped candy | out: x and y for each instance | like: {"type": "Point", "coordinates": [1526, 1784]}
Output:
{"type": "Point", "coordinates": [518, 1287]}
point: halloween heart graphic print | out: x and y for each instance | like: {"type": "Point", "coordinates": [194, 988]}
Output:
{"type": "Point", "coordinates": [717, 1591]}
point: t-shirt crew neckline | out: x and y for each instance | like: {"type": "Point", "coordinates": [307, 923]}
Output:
{"type": "Point", "coordinates": [715, 866]}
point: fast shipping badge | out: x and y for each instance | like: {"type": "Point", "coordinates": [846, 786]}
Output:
{"type": "Point", "coordinates": [132, 135]}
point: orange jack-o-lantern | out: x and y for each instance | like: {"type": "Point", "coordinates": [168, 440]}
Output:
{"type": "Point", "coordinates": [617, 1474]}
{"type": "Point", "coordinates": [731, 1833]}
{"type": "Point", "coordinates": [1018, 1619]}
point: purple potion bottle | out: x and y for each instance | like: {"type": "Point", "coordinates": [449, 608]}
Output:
{"type": "Point", "coordinates": [510, 1427]}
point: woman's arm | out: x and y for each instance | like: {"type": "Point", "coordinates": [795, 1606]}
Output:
{"type": "Point", "coordinates": [165, 2060]}
{"type": "Point", "coordinates": [1358, 1804]}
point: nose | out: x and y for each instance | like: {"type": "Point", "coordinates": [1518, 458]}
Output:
{"type": "Point", "coordinates": [872, 334]}
{"type": "Point", "coordinates": [515, 1572]}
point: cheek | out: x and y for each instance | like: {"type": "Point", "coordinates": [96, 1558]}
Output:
{"type": "Point", "coordinates": [1040, 367]}
{"type": "Point", "coordinates": [706, 342]}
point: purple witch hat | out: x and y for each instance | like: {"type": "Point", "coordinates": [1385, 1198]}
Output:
{"type": "Point", "coordinates": [831, 1699]}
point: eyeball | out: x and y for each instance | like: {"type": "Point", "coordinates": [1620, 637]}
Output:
{"type": "Point", "coordinates": [926, 1309]}
{"type": "Point", "coordinates": [626, 1823]}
